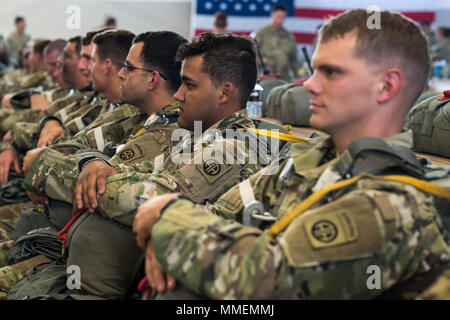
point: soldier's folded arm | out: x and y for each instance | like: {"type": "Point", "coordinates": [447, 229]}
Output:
{"type": "Point", "coordinates": [329, 252]}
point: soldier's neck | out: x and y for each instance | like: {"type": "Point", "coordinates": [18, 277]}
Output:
{"type": "Point", "coordinates": [157, 101]}
{"type": "Point", "coordinates": [342, 140]}
{"type": "Point", "coordinates": [112, 92]}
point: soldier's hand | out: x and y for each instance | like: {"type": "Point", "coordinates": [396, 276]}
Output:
{"type": "Point", "coordinates": [156, 277]}
{"type": "Point", "coordinates": [39, 102]}
{"type": "Point", "coordinates": [148, 215]}
{"type": "Point", "coordinates": [92, 181]}
{"type": "Point", "coordinates": [8, 157]}
{"type": "Point", "coordinates": [30, 158]}
{"type": "Point", "coordinates": [6, 104]}
{"type": "Point", "coordinates": [52, 130]}
{"type": "Point", "coordinates": [7, 136]}
{"type": "Point", "coordinates": [37, 198]}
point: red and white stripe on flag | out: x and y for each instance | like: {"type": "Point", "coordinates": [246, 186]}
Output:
{"type": "Point", "coordinates": [308, 15]}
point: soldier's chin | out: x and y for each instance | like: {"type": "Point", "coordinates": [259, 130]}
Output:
{"type": "Point", "coordinates": [315, 123]}
{"type": "Point", "coordinates": [185, 124]}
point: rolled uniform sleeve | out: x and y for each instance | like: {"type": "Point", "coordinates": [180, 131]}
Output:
{"type": "Point", "coordinates": [328, 252]}
{"type": "Point", "coordinates": [55, 174]}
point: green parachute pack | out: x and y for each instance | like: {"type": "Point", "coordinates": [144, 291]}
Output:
{"type": "Point", "coordinates": [268, 82]}
{"type": "Point", "coordinates": [289, 103]}
{"type": "Point", "coordinates": [430, 122]}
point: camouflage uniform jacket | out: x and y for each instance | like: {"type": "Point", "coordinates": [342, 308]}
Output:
{"type": "Point", "coordinates": [203, 176]}
{"type": "Point", "coordinates": [22, 113]}
{"type": "Point", "coordinates": [38, 79]}
{"type": "Point", "coordinates": [55, 172]}
{"type": "Point", "coordinates": [280, 49]}
{"type": "Point", "coordinates": [74, 115]}
{"type": "Point", "coordinates": [327, 252]}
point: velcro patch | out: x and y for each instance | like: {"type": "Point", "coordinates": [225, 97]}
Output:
{"type": "Point", "coordinates": [130, 153]}
{"type": "Point", "coordinates": [212, 170]}
{"type": "Point", "coordinates": [332, 231]}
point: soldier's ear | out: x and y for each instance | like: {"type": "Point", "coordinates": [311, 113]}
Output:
{"type": "Point", "coordinates": [109, 65]}
{"type": "Point", "coordinates": [226, 92]}
{"type": "Point", "coordinates": [390, 85]}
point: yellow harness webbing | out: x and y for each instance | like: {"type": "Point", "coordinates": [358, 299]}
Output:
{"type": "Point", "coordinates": [280, 135]}
{"type": "Point", "coordinates": [422, 185]}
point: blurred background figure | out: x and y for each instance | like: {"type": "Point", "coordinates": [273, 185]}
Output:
{"type": "Point", "coordinates": [220, 22]}
{"type": "Point", "coordinates": [17, 39]}
{"type": "Point", "coordinates": [278, 46]}
{"type": "Point", "coordinates": [4, 59]}
{"type": "Point", "coordinates": [111, 22]}
{"type": "Point", "coordinates": [441, 50]}
{"type": "Point", "coordinates": [426, 27]}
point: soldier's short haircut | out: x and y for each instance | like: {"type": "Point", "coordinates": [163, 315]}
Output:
{"type": "Point", "coordinates": [87, 39]}
{"type": "Point", "coordinates": [39, 46]}
{"type": "Point", "coordinates": [113, 44]}
{"type": "Point", "coordinates": [18, 19]}
{"type": "Point", "coordinates": [278, 7]}
{"type": "Point", "coordinates": [55, 45]}
{"type": "Point", "coordinates": [159, 51]}
{"type": "Point", "coordinates": [400, 42]}
{"type": "Point", "coordinates": [221, 19]}
{"type": "Point", "coordinates": [77, 41]}
{"type": "Point", "coordinates": [226, 57]}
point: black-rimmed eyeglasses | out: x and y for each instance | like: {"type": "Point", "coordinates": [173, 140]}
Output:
{"type": "Point", "coordinates": [128, 67]}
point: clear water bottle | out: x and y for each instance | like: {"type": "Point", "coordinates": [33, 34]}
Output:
{"type": "Point", "coordinates": [254, 103]}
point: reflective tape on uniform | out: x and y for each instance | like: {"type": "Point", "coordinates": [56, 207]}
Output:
{"type": "Point", "coordinates": [99, 141]}
{"type": "Point", "coordinates": [159, 162]}
{"type": "Point", "coordinates": [79, 123]}
{"type": "Point", "coordinates": [246, 191]}
{"type": "Point", "coordinates": [62, 114]}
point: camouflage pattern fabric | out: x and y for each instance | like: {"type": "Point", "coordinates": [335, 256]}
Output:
{"type": "Point", "coordinates": [21, 100]}
{"type": "Point", "coordinates": [9, 215]}
{"type": "Point", "coordinates": [11, 275]}
{"type": "Point", "coordinates": [200, 180]}
{"type": "Point", "coordinates": [5, 246]}
{"type": "Point", "coordinates": [324, 253]}
{"type": "Point", "coordinates": [13, 191]}
{"type": "Point", "coordinates": [280, 49]}
{"type": "Point", "coordinates": [439, 289]}
{"type": "Point", "coordinates": [55, 173]}
{"type": "Point", "coordinates": [25, 135]}
{"type": "Point", "coordinates": [24, 81]}
{"type": "Point", "coordinates": [9, 117]}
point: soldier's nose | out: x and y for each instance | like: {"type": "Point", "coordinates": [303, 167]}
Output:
{"type": "Point", "coordinates": [312, 85]}
{"type": "Point", "coordinates": [178, 96]}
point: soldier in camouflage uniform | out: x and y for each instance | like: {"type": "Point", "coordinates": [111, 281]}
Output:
{"type": "Point", "coordinates": [38, 76]}
{"type": "Point", "coordinates": [320, 227]}
{"type": "Point", "coordinates": [278, 46]}
{"type": "Point", "coordinates": [35, 98]}
{"type": "Point", "coordinates": [152, 89]}
{"type": "Point", "coordinates": [149, 135]}
{"type": "Point", "coordinates": [218, 74]}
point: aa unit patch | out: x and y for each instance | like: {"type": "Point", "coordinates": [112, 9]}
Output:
{"type": "Point", "coordinates": [212, 170]}
{"type": "Point", "coordinates": [324, 231]}
{"type": "Point", "coordinates": [331, 231]}
{"type": "Point", "coordinates": [211, 167]}
{"type": "Point", "coordinates": [126, 154]}
{"type": "Point", "coordinates": [130, 153]}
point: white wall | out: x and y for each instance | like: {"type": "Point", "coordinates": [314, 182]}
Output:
{"type": "Point", "coordinates": [48, 18]}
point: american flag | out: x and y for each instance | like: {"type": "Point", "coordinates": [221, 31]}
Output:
{"type": "Point", "coordinates": [304, 16]}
